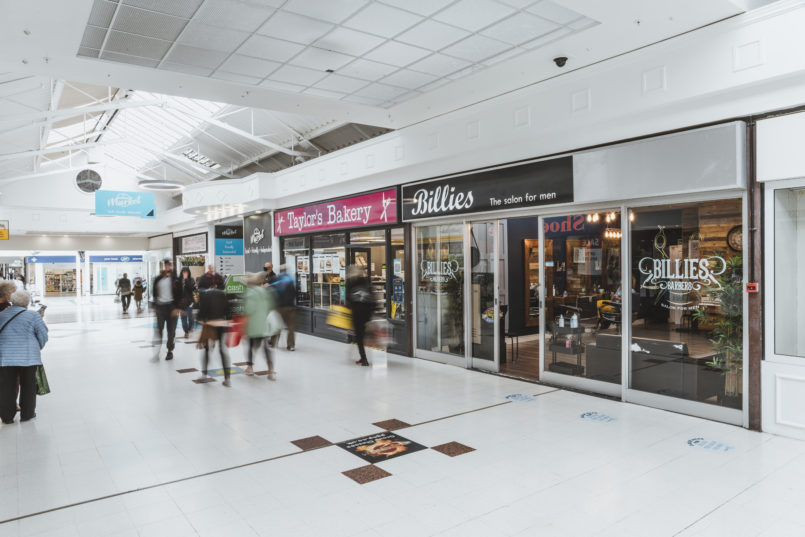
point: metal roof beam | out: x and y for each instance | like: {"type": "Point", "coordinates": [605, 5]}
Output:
{"type": "Point", "coordinates": [47, 150]}
{"type": "Point", "coordinates": [73, 112]}
{"type": "Point", "coordinates": [247, 135]}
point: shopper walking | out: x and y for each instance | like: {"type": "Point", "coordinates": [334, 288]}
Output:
{"type": "Point", "coordinates": [260, 302]}
{"type": "Point", "coordinates": [23, 334]}
{"type": "Point", "coordinates": [124, 290]}
{"type": "Point", "coordinates": [188, 292]}
{"type": "Point", "coordinates": [137, 291]}
{"type": "Point", "coordinates": [167, 300]}
{"type": "Point", "coordinates": [7, 287]}
{"type": "Point", "coordinates": [361, 300]}
{"type": "Point", "coordinates": [285, 288]}
{"type": "Point", "coordinates": [213, 313]}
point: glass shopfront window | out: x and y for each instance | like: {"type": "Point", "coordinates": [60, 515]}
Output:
{"type": "Point", "coordinates": [397, 297]}
{"type": "Point", "coordinates": [295, 256]}
{"type": "Point", "coordinates": [367, 249]}
{"type": "Point", "coordinates": [329, 270]}
{"type": "Point", "coordinates": [582, 294]}
{"type": "Point", "coordinates": [440, 288]}
{"type": "Point", "coordinates": [687, 315]}
{"type": "Point", "coordinates": [789, 271]}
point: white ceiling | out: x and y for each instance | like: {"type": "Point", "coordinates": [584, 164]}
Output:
{"type": "Point", "coordinates": [380, 53]}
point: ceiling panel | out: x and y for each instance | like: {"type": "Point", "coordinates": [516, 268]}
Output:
{"type": "Point", "coordinates": [102, 13]}
{"type": "Point", "coordinates": [93, 37]}
{"type": "Point", "coordinates": [296, 28]}
{"type": "Point", "coordinates": [209, 37]}
{"type": "Point", "coordinates": [382, 20]}
{"type": "Point", "coordinates": [246, 65]}
{"type": "Point", "coordinates": [321, 60]}
{"type": "Point", "coordinates": [473, 15]}
{"type": "Point", "coordinates": [476, 48]}
{"type": "Point", "coordinates": [342, 84]}
{"type": "Point", "coordinates": [432, 35]}
{"type": "Point", "coordinates": [147, 23]}
{"type": "Point", "coordinates": [367, 70]}
{"type": "Point", "coordinates": [395, 53]}
{"type": "Point", "coordinates": [282, 86]}
{"type": "Point", "coordinates": [125, 58]}
{"type": "Point", "coordinates": [439, 64]}
{"type": "Point", "coordinates": [348, 41]}
{"type": "Point", "coordinates": [422, 7]}
{"type": "Point", "coordinates": [405, 78]}
{"type": "Point", "coordinates": [179, 8]}
{"type": "Point", "coordinates": [196, 56]}
{"type": "Point", "coordinates": [554, 12]}
{"type": "Point", "coordinates": [330, 11]}
{"type": "Point", "coordinates": [234, 14]}
{"type": "Point", "coordinates": [134, 45]}
{"type": "Point", "coordinates": [520, 28]}
{"type": "Point", "coordinates": [270, 49]}
{"type": "Point", "coordinates": [297, 75]}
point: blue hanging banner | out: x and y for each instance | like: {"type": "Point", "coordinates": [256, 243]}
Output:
{"type": "Point", "coordinates": [51, 259]}
{"type": "Point", "coordinates": [115, 259]}
{"type": "Point", "coordinates": [115, 203]}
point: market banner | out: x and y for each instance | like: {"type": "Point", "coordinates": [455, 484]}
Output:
{"type": "Point", "coordinates": [115, 203]}
{"type": "Point", "coordinates": [538, 183]}
{"type": "Point", "coordinates": [3, 230]}
{"type": "Point", "coordinates": [257, 241]}
{"type": "Point", "coordinates": [373, 209]}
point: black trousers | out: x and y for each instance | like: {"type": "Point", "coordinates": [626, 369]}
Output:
{"type": "Point", "coordinates": [125, 300]}
{"type": "Point", "coordinates": [361, 315]}
{"type": "Point", "coordinates": [254, 346]}
{"type": "Point", "coordinates": [221, 347]}
{"type": "Point", "coordinates": [165, 316]}
{"type": "Point", "coordinates": [8, 392]}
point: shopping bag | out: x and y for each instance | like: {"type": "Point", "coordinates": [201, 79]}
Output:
{"type": "Point", "coordinates": [235, 333]}
{"type": "Point", "coordinates": [274, 323]}
{"type": "Point", "coordinates": [42, 385]}
{"type": "Point", "coordinates": [378, 333]}
{"type": "Point", "coordinates": [340, 317]}
{"type": "Point", "coordinates": [117, 300]}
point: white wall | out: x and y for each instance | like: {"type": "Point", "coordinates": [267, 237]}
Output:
{"type": "Point", "coordinates": [73, 243]}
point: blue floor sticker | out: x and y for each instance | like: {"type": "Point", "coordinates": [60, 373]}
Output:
{"type": "Point", "coordinates": [597, 416]}
{"type": "Point", "coordinates": [710, 445]}
{"type": "Point", "coordinates": [520, 398]}
{"type": "Point", "coordinates": [220, 372]}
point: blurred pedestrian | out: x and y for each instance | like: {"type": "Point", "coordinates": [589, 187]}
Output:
{"type": "Point", "coordinates": [23, 334]}
{"type": "Point", "coordinates": [167, 292]}
{"type": "Point", "coordinates": [137, 291]}
{"type": "Point", "coordinates": [361, 300]}
{"type": "Point", "coordinates": [285, 288]}
{"type": "Point", "coordinates": [260, 302]}
{"type": "Point", "coordinates": [7, 287]}
{"type": "Point", "coordinates": [188, 293]}
{"type": "Point", "coordinates": [211, 279]}
{"type": "Point", "coordinates": [124, 290]}
{"type": "Point", "coordinates": [19, 281]}
{"type": "Point", "coordinates": [213, 313]}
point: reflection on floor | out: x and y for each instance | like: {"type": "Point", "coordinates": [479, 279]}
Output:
{"type": "Point", "coordinates": [142, 450]}
{"type": "Point", "coordinates": [89, 308]}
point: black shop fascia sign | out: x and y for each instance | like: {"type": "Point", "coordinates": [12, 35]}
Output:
{"type": "Point", "coordinates": [547, 182]}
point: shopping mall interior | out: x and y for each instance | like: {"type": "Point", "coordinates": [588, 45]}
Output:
{"type": "Point", "coordinates": [534, 262]}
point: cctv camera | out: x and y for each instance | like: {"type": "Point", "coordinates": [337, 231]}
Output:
{"type": "Point", "coordinates": [560, 61]}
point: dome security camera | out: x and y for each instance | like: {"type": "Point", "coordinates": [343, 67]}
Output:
{"type": "Point", "coordinates": [560, 61]}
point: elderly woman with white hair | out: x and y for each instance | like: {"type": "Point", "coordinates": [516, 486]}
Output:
{"type": "Point", "coordinates": [23, 333]}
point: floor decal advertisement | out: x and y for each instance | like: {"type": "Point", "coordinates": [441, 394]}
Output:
{"type": "Point", "coordinates": [381, 447]}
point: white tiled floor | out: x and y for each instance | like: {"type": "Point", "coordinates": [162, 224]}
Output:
{"type": "Point", "coordinates": [117, 422]}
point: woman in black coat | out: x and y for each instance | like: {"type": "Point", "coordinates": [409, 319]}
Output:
{"type": "Point", "coordinates": [361, 300]}
{"type": "Point", "coordinates": [188, 291]}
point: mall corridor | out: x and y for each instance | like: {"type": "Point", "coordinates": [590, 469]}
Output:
{"type": "Point", "coordinates": [126, 446]}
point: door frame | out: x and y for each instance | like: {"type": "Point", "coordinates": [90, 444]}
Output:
{"type": "Point", "coordinates": [472, 362]}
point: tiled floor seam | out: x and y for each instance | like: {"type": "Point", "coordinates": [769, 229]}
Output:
{"type": "Point", "coordinates": [236, 467]}
{"type": "Point", "coordinates": [714, 509]}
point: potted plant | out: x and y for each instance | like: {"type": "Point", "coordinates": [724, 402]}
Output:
{"type": "Point", "coordinates": [727, 333]}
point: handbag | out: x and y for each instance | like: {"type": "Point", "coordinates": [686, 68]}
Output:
{"type": "Point", "coordinates": [274, 323]}
{"type": "Point", "coordinates": [42, 385]}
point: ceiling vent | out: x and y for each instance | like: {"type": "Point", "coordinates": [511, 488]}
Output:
{"type": "Point", "coordinates": [88, 181]}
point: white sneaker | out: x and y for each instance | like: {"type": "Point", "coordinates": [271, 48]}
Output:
{"type": "Point", "coordinates": [272, 375]}
{"type": "Point", "coordinates": [249, 371]}
{"type": "Point", "coordinates": [227, 383]}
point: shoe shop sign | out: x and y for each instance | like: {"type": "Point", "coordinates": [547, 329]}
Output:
{"type": "Point", "coordinates": [373, 209]}
{"type": "Point", "coordinates": [526, 185]}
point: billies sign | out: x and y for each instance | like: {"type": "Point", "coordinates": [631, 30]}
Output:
{"type": "Point", "coordinates": [526, 185]}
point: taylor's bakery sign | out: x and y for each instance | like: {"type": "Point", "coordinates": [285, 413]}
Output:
{"type": "Point", "coordinates": [373, 209]}
{"type": "Point", "coordinates": [525, 185]}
